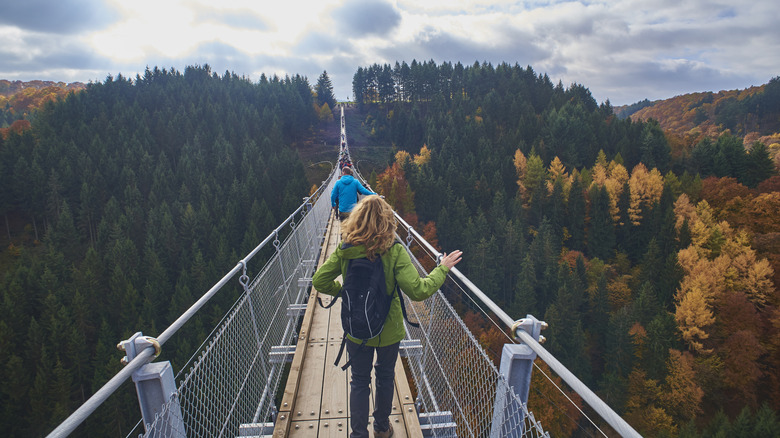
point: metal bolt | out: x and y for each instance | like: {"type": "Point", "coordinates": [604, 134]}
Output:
{"type": "Point", "coordinates": [282, 417]}
{"type": "Point", "coordinates": [327, 411]}
{"type": "Point", "coordinates": [394, 408]}
{"type": "Point", "coordinates": [406, 397]}
{"type": "Point", "coordinates": [339, 411]}
{"type": "Point", "coordinates": [543, 325]}
{"type": "Point", "coordinates": [339, 424]}
{"type": "Point", "coordinates": [311, 426]}
{"type": "Point", "coordinates": [410, 409]}
{"type": "Point", "coordinates": [299, 413]}
{"type": "Point", "coordinates": [120, 346]}
{"type": "Point", "coordinates": [325, 425]}
{"type": "Point", "coordinates": [124, 361]}
{"type": "Point", "coordinates": [285, 404]}
{"type": "Point", "coordinates": [396, 420]}
{"type": "Point", "coordinates": [542, 339]}
{"type": "Point", "coordinates": [312, 413]}
{"type": "Point", "coordinates": [297, 426]}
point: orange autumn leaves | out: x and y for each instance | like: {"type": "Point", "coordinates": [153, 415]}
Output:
{"type": "Point", "coordinates": [721, 299]}
{"type": "Point", "coordinates": [718, 263]}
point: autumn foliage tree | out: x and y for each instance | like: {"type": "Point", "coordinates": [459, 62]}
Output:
{"type": "Point", "coordinates": [722, 301]}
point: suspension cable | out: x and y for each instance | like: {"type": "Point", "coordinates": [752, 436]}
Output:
{"type": "Point", "coordinates": [569, 399]}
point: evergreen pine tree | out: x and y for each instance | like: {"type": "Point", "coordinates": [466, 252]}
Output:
{"type": "Point", "coordinates": [601, 235]}
{"type": "Point", "coordinates": [576, 216]}
{"type": "Point", "coordinates": [766, 423]}
{"type": "Point", "coordinates": [759, 165]}
{"type": "Point", "coordinates": [324, 91]}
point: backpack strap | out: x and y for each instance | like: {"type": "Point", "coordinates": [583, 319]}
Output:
{"type": "Point", "coordinates": [341, 351]}
{"type": "Point", "coordinates": [403, 309]}
{"type": "Point", "coordinates": [332, 302]}
{"type": "Point", "coordinates": [401, 298]}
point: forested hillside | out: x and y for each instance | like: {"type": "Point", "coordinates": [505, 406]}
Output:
{"type": "Point", "coordinates": [753, 114]}
{"type": "Point", "coordinates": [122, 204]}
{"type": "Point", "coordinates": [653, 263]}
{"type": "Point", "coordinates": [19, 100]}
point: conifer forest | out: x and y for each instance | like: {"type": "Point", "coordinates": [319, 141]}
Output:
{"type": "Point", "coordinates": [652, 255]}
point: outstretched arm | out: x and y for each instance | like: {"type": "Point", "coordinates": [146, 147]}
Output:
{"type": "Point", "coordinates": [364, 191]}
{"type": "Point", "coordinates": [415, 287]}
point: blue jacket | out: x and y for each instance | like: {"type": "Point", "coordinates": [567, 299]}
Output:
{"type": "Point", "coordinates": [345, 192]}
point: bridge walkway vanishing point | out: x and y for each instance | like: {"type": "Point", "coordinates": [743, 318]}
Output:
{"type": "Point", "coordinates": [316, 398]}
{"type": "Point", "coordinates": [230, 386]}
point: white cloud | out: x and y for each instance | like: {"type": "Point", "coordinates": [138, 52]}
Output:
{"type": "Point", "coordinates": [624, 50]}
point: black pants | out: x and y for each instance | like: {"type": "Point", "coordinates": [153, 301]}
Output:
{"type": "Point", "coordinates": [343, 215]}
{"type": "Point", "coordinates": [359, 386]}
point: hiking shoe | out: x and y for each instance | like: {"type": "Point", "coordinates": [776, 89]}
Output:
{"type": "Point", "coordinates": [386, 434]}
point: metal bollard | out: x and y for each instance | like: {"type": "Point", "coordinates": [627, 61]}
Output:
{"type": "Point", "coordinates": [156, 388]}
{"type": "Point", "coordinates": [517, 364]}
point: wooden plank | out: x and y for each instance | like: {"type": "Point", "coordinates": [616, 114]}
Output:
{"type": "Point", "coordinates": [335, 387]}
{"type": "Point", "coordinates": [411, 422]}
{"type": "Point", "coordinates": [406, 406]}
{"type": "Point", "coordinates": [309, 397]}
{"type": "Point", "coordinates": [304, 429]}
{"type": "Point", "coordinates": [335, 331]}
{"type": "Point", "coordinates": [320, 322]}
{"type": "Point", "coordinates": [281, 428]}
{"type": "Point", "coordinates": [399, 431]}
{"type": "Point", "coordinates": [402, 388]}
{"type": "Point", "coordinates": [334, 428]}
{"type": "Point", "coordinates": [283, 423]}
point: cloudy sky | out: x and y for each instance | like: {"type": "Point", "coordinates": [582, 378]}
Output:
{"type": "Point", "coordinates": [622, 50]}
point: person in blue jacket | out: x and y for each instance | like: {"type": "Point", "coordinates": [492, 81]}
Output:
{"type": "Point", "coordinates": [345, 193]}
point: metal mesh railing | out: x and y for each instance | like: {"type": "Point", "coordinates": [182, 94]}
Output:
{"type": "Point", "coordinates": [233, 380]}
{"type": "Point", "coordinates": [454, 375]}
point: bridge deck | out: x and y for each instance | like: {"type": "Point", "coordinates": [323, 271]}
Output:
{"type": "Point", "coordinates": [316, 398]}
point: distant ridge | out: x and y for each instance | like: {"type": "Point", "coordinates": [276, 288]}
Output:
{"type": "Point", "coordinates": [9, 88]}
{"type": "Point", "coordinates": [751, 114]}
{"type": "Point", "coordinates": [18, 99]}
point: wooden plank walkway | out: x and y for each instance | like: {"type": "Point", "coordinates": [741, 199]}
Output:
{"type": "Point", "coordinates": [316, 398]}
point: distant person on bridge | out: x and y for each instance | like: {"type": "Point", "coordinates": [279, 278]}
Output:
{"type": "Point", "coordinates": [367, 233]}
{"type": "Point", "coordinates": [345, 193]}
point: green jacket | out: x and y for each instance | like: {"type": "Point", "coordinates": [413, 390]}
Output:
{"type": "Point", "coordinates": [398, 269]}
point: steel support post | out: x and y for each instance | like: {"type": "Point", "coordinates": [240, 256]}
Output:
{"type": "Point", "coordinates": [156, 388]}
{"type": "Point", "coordinates": [517, 364]}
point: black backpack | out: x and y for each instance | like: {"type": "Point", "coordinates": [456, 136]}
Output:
{"type": "Point", "coordinates": [366, 302]}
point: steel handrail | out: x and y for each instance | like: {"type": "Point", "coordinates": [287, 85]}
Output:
{"type": "Point", "coordinates": [610, 416]}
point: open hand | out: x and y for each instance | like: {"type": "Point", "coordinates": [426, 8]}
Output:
{"type": "Point", "coordinates": [451, 259]}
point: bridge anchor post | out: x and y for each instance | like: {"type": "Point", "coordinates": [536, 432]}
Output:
{"type": "Point", "coordinates": [156, 388]}
{"type": "Point", "coordinates": [517, 364]}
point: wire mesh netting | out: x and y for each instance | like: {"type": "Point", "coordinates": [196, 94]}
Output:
{"type": "Point", "coordinates": [233, 381]}
{"type": "Point", "coordinates": [455, 377]}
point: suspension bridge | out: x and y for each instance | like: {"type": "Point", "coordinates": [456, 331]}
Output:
{"type": "Point", "coordinates": [267, 369]}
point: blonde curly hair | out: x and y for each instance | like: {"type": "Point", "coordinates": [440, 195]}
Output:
{"type": "Point", "coordinates": [371, 223]}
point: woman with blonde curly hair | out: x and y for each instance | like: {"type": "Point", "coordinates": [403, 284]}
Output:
{"type": "Point", "coordinates": [369, 232]}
